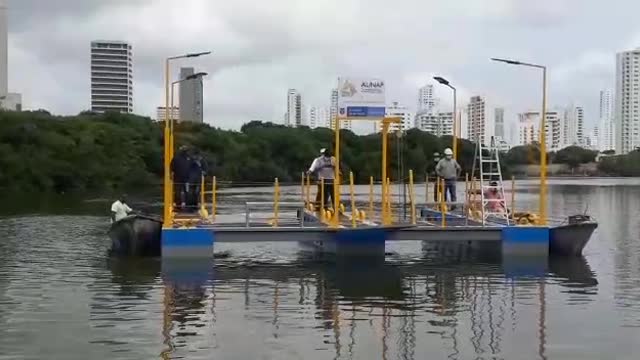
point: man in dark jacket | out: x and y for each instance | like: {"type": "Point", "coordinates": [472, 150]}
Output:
{"type": "Point", "coordinates": [197, 169]}
{"type": "Point", "coordinates": [180, 170]}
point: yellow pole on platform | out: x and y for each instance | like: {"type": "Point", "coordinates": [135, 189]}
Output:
{"type": "Point", "coordinates": [214, 199]}
{"type": "Point", "coordinates": [426, 189]}
{"type": "Point", "coordinates": [302, 187]}
{"type": "Point", "coordinates": [411, 198]}
{"type": "Point", "coordinates": [276, 202]}
{"type": "Point", "coordinates": [336, 177]}
{"type": "Point", "coordinates": [308, 190]}
{"type": "Point", "coordinates": [389, 197]}
{"type": "Point", "coordinates": [385, 206]}
{"type": "Point", "coordinates": [202, 191]}
{"type": "Point", "coordinates": [443, 204]}
{"type": "Point", "coordinates": [371, 197]}
{"type": "Point", "coordinates": [513, 195]}
{"type": "Point", "coordinates": [354, 212]}
{"type": "Point", "coordinates": [322, 199]}
{"type": "Point", "coordinates": [439, 194]}
{"type": "Point", "coordinates": [466, 192]}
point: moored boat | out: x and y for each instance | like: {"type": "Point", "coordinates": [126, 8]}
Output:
{"type": "Point", "coordinates": [136, 235]}
{"type": "Point", "coordinates": [569, 239]}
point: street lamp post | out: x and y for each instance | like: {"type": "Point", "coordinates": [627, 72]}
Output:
{"type": "Point", "coordinates": [543, 145]}
{"type": "Point", "coordinates": [445, 82]}
{"type": "Point", "coordinates": [168, 138]}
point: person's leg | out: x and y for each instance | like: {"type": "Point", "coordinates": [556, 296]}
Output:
{"type": "Point", "coordinates": [452, 190]}
{"type": "Point", "coordinates": [318, 196]}
{"type": "Point", "coordinates": [435, 190]}
{"type": "Point", "coordinates": [328, 195]}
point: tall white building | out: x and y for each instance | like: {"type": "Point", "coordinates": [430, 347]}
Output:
{"type": "Point", "coordinates": [477, 118]}
{"type": "Point", "coordinates": [427, 101]}
{"type": "Point", "coordinates": [401, 111]}
{"type": "Point", "coordinates": [529, 129]}
{"type": "Point", "coordinates": [319, 117]}
{"type": "Point", "coordinates": [573, 127]}
{"type": "Point", "coordinates": [593, 139]}
{"type": "Point", "coordinates": [606, 138]}
{"type": "Point", "coordinates": [4, 49]}
{"type": "Point", "coordinates": [333, 114]}
{"type": "Point", "coordinates": [438, 124]}
{"type": "Point", "coordinates": [111, 76]}
{"type": "Point", "coordinates": [499, 123]}
{"type": "Point", "coordinates": [191, 97]}
{"type": "Point", "coordinates": [293, 116]}
{"type": "Point", "coordinates": [627, 113]}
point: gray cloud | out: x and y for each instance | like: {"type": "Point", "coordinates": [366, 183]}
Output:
{"type": "Point", "coordinates": [262, 48]}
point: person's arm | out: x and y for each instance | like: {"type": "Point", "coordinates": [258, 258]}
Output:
{"type": "Point", "coordinates": [458, 169]}
{"type": "Point", "coordinates": [127, 208]}
{"type": "Point", "coordinates": [439, 168]}
{"type": "Point", "coordinates": [313, 167]}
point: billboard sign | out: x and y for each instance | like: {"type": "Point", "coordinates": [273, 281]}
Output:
{"type": "Point", "coordinates": [361, 98]}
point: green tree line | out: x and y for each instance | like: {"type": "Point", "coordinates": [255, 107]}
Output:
{"type": "Point", "coordinates": [40, 152]}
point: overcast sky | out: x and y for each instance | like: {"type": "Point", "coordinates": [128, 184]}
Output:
{"type": "Point", "coordinates": [263, 47]}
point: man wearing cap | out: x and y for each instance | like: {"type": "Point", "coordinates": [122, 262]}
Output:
{"type": "Point", "coordinates": [432, 172]}
{"type": "Point", "coordinates": [449, 170]}
{"type": "Point", "coordinates": [323, 167]}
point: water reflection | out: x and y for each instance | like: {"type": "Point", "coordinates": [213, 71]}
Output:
{"type": "Point", "coordinates": [465, 305]}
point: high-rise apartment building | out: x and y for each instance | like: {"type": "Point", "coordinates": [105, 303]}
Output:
{"type": "Point", "coordinates": [499, 123]}
{"type": "Point", "coordinates": [401, 111]}
{"type": "Point", "coordinates": [627, 99]}
{"type": "Point", "coordinates": [319, 117]}
{"type": "Point", "coordinates": [573, 127]}
{"type": "Point", "coordinates": [438, 124]}
{"type": "Point", "coordinates": [529, 129]}
{"type": "Point", "coordinates": [293, 117]}
{"type": "Point", "coordinates": [477, 118]}
{"type": "Point", "coordinates": [4, 49]}
{"type": "Point", "coordinates": [111, 76]}
{"type": "Point", "coordinates": [191, 97]}
{"type": "Point", "coordinates": [606, 138]}
{"type": "Point", "coordinates": [344, 124]}
{"type": "Point", "coordinates": [427, 101]}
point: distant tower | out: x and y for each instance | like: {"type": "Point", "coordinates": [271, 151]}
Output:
{"type": "Point", "coordinates": [4, 49]}
{"type": "Point", "coordinates": [111, 76]}
{"type": "Point", "coordinates": [191, 97]}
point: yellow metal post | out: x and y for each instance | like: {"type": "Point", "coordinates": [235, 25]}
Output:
{"type": "Point", "coordinates": [385, 206]}
{"type": "Point", "coordinates": [389, 197]}
{"type": "Point", "coordinates": [302, 187]}
{"type": "Point", "coordinates": [336, 177]}
{"type": "Point", "coordinates": [426, 189]}
{"type": "Point", "coordinates": [167, 161]}
{"type": "Point", "coordinates": [354, 211]}
{"type": "Point", "coordinates": [308, 189]}
{"type": "Point", "coordinates": [454, 145]}
{"type": "Point", "coordinates": [276, 202]}
{"type": "Point", "coordinates": [371, 197]}
{"type": "Point", "coordinates": [202, 191]}
{"type": "Point", "coordinates": [439, 196]}
{"type": "Point", "coordinates": [513, 195]}
{"type": "Point", "coordinates": [214, 198]}
{"type": "Point", "coordinates": [411, 198]}
{"type": "Point", "coordinates": [443, 204]}
{"type": "Point", "coordinates": [322, 199]}
{"type": "Point", "coordinates": [543, 151]}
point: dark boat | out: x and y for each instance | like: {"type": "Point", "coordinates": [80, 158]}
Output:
{"type": "Point", "coordinates": [136, 235]}
{"type": "Point", "coordinates": [569, 239]}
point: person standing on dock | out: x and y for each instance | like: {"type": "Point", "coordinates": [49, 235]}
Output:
{"type": "Point", "coordinates": [197, 169]}
{"type": "Point", "coordinates": [449, 170]}
{"type": "Point", "coordinates": [432, 172]}
{"type": "Point", "coordinates": [323, 167]}
{"type": "Point", "coordinates": [120, 209]}
{"type": "Point", "coordinates": [180, 170]}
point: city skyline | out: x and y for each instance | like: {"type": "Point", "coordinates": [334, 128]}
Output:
{"type": "Point", "coordinates": [576, 71]}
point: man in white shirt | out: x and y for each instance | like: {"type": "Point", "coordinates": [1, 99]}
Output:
{"type": "Point", "coordinates": [120, 209]}
{"type": "Point", "coordinates": [323, 167]}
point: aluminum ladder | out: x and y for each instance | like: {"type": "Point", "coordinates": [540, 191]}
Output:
{"type": "Point", "coordinates": [487, 160]}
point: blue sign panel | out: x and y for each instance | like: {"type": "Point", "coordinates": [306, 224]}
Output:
{"type": "Point", "coordinates": [365, 111]}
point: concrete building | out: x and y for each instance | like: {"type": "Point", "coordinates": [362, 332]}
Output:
{"type": "Point", "coordinates": [427, 101]}
{"type": "Point", "coordinates": [477, 118]}
{"type": "Point", "coordinates": [4, 49]}
{"type": "Point", "coordinates": [191, 97]}
{"type": "Point", "coordinates": [111, 76]}
{"type": "Point", "coordinates": [498, 124]}
{"type": "Point", "coordinates": [344, 124]}
{"type": "Point", "coordinates": [627, 97]}
{"type": "Point", "coordinates": [573, 127]}
{"type": "Point", "coordinates": [401, 111]}
{"type": "Point", "coordinates": [606, 134]}
{"type": "Point", "coordinates": [293, 117]}
{"type": "Point", "coordinates": [592, 141]}
{"type": "Point", "coordinates": [161, 112]}
{"type": "Point", "coordinates": [319, 117]}
{"type": "Point", "coordinates": [529, 129]}
{"type": "Point", "coordinates": [438, 124]}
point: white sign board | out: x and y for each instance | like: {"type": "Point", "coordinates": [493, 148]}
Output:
{"type": "Point", "coordinates": [363, 98]}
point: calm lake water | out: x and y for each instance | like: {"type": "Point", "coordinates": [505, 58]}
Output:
{"type": "Point", "coordinates": [62, 298]}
